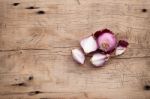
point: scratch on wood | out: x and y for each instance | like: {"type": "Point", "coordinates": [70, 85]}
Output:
{"type": "Point", "coordinates": [20, 84]}
{"type": "Point", "coordinates": [85, 94]}
{"type": "Point", "coordinates": [78, 1]}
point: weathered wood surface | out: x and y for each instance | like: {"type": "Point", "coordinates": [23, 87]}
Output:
{"type": "Point", "coordinates": [35, 58]}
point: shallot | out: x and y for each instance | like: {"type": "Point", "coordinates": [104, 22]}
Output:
{"type": "Point", "coordinates": [100, 45]}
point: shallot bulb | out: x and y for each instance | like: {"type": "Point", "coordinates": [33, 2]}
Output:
{"type": "Point", "coordinates": [106, 40]}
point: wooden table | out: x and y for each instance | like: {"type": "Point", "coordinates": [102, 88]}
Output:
{"type": "Point", "coordinates": [36, 38]}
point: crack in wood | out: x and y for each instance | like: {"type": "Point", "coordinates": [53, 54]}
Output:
{"type": "Point", "coordinates": [131, 57]}
{"type": "Point", "coordinates": [21, 49]}
{"type": "Point", "coordinates": [34, 49]}
{"type": "Point", "coordinates": [39, 92]}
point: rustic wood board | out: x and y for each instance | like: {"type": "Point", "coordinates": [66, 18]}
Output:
{"type": "Point", "coordinates": [35, 49]}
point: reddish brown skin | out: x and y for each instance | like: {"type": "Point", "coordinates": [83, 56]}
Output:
{"type": "Point", "coordinates": [123, 43]}
{"type": "Point", "coordinates": [111, 51]}
{"type": "Point", "coordinates": [98, 33]}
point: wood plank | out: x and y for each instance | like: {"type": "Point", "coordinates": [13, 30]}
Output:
{"type": "Point", "coordinates": [35, 49]}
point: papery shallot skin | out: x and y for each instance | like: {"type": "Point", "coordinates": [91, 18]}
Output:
{"type": "Point", "coordinates": [123, 43]}
{"type": "Point", "coordinates": [106, 40]}
{"type": "Point", "coordinates": [121, 47]}
{"type": "Point", "coordinates": [100, 32]}
{"type": "Point", "coordinates": [120, 50]}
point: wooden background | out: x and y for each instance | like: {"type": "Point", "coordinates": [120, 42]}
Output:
{"type": "Point", "coordinates": [35, 49]}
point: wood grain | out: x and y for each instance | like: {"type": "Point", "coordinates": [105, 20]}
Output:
{"type": "Point", "coordinates": [35, 49]}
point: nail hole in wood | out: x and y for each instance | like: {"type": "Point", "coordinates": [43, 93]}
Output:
{"type": "Point", "coordinates": [41, 12]}
{"type": "Point", "coordinates": [9, 56]}
{"type": "Point", "coordinates": [32, 7]}
{"type": "Point", "coordinates": [34, 92]}
{"type": "Point", "coordinates": [37, 92]}
{"type": "Point", "coordinates": [144, 10]}
{"type": "Point", "coordinates": [16, 79]}
{"type": "Point", "coordinates": [16, 4]}
{"type": "Point", "coordinates": [20, 52]}
{"type": "Point", "coordinates": [31, 78]}
{"type": "Point", "coordinates": [147, 87]}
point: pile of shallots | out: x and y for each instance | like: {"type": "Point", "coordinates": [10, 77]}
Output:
{"type": "Point", "coordinates": [101, 45]}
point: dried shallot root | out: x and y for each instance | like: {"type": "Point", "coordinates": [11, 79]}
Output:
{"type": "Point", "coordinates": [101, 45]}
